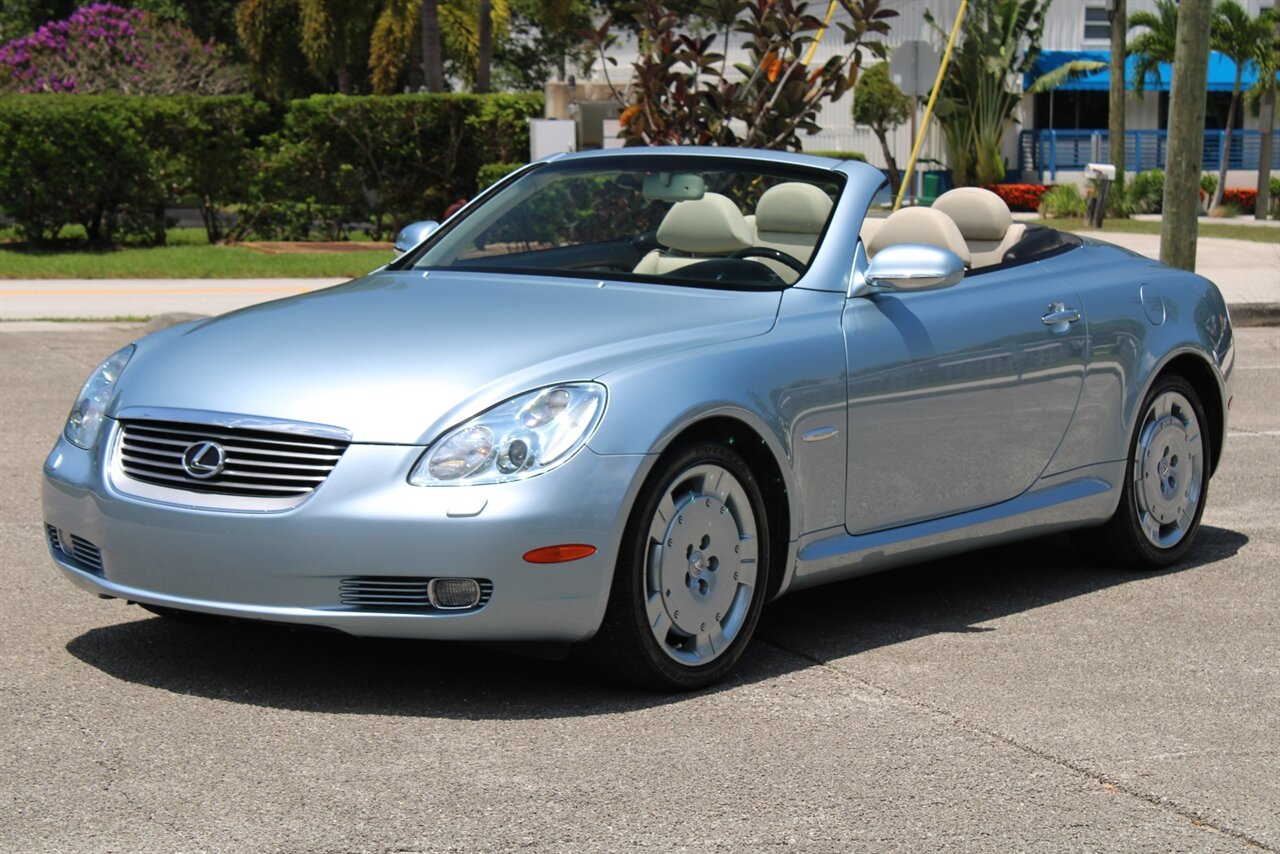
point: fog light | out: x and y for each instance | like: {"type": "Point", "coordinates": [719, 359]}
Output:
{"type": "Point", "coordinates": [453, 593]}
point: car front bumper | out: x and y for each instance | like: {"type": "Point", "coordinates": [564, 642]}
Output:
{"type": "Point", "coordinates": [364, 520]}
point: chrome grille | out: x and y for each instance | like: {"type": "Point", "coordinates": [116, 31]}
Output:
{"type": "Point", "coordinates": [396, 593]}
{"type": "Point", "coordinates": [262, 463]}
{"type": "Point", "coordinates": [76, 550]}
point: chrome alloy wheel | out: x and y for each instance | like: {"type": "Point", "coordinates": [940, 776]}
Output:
{"type": "Point", "coordinates": [700, 565]}
{"type": "Point", "coordinates": [1168, 470]}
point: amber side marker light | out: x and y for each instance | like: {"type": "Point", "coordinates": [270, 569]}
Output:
{"type": "Point", "coordinates": [560, 554]}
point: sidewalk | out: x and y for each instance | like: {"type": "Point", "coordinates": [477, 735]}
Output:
{"type": "Point", "coordinates": [1245, 272]}
{"type": "Point", "coordinates": [1248, 274]}
{"type": "Point", "coordinates": [105, 299]}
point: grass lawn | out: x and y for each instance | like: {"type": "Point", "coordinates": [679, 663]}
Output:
{"type": "Point", "coordinates": [1231, 231]}
{"type": "Point", "coordinates": [188, 256]}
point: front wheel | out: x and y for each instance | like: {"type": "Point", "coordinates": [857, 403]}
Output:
{"type": "Point", "coordinates": [1166, 481]}
{"type": "Point", "coordinates": [691, 575]}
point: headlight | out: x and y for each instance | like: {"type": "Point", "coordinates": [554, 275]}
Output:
{"type": "Point", "coordinates": [90, 408]}
{"type": "Point", "coordinates": [525, 436]}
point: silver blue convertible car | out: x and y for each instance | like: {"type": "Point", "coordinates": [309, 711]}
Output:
{"type": "Point", "coordinates": [624, 398]}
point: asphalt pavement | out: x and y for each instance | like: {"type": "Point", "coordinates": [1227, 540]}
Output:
{"type": "Point", "coordinates": [1022, 698]}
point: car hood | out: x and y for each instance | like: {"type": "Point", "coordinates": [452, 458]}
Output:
{"type": "Point", "coordinates": [397, 357]}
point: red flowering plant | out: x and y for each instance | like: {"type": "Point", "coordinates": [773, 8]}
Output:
{"type": "Point", "coordinates": [106, 48]}
{"type": "Point", "coordinates": [1244, 198]}
{"type": "Point", "coordinates": [1020, 197]}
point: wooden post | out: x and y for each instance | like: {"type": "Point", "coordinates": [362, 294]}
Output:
{"type": "Point", "coordinates": [1116, 105]}
{"type": "Point", "coordinates": [1186, 135]}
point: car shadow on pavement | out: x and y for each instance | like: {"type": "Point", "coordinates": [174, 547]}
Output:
{"type": "Point", "coordinates": [309, 670]}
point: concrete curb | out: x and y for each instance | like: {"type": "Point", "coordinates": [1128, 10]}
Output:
{"type": "Point", "coordinates": [1255, 313]}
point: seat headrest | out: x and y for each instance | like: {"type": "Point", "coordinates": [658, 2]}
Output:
{"type": "Point", "coordinates": [795, 208]}
{"type": "Point", "coordinates": [979, 214]}
{"type": "Point", "coordinates": [709, 225]}
{"type": "Point", "coordinates": [919, 225]}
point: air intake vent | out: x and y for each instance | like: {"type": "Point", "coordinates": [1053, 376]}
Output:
{"type": "Point", "coordinates": [227, 460]}
{"type": "Point", "coordinates": [397, 593]}
{"type": "Point", "coordinates": [75, 550]}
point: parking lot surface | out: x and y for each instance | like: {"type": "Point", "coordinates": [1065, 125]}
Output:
{"type": "Point", "coordinates": [1022, 698]}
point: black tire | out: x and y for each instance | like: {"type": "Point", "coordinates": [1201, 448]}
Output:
{"type": "Point", "coordinates": [1124, 540]}
{"type": "Point", "coordinates": [627, 646]}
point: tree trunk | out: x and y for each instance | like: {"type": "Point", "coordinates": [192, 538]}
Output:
{"type": "Point", "coordinates": [1226, 142]}
{"type": "Point", "coordinates": [1267, 122]}
{"type": "Point", "coordinates": [1186, 136]}
{"type": "Point", "coordinates": [892, 165]}
{"type": "Point", "coordinates": [1116, 104]}
{"type": "Point", "coordinates": [484, 45]}
{"type": "Point", "coordinates": [344, 80]}
{"type": "Point", "coordinates": [432, 61]}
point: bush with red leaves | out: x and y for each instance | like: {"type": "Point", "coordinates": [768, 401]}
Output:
{"type": "Point", "coordinates": [1020, 197]}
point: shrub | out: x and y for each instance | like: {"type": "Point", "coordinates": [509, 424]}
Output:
{"type": "Point", "coordinates": [1244, 198]}
{"type": "Point", "coordinates": [104, 48]}
{"type": "Point", "coordinates": [492, 173]}
{"type": "Point", "coordinates": [111, 163]}
{"type": "Point", "coordinates": [1019, 197]}
{"type": "Point", "coordinates": [840, 155]}
{"type": "Point", "coordinates": [386, 160]}
{"type": "Point", "coordinates": [1063, 200]}
{"type": "Point", "coordinates": [1146, 191]}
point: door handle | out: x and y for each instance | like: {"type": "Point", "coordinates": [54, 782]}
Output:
{"type": "Point", "coordinates": [1059, 313]}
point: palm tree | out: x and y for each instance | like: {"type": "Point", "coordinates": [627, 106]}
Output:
{"type": "Point", "coordinates": [1264, 94]}
{"type": "Point", "coordinates": [1241, 39]}
{"type": "Point", "coordinates": [1155, 45]}
{"type": "Point", "coordinates": [1001, 41]}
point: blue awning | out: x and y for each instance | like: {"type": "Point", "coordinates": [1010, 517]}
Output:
{"type": "Point", "coordinates": [1222, 72]}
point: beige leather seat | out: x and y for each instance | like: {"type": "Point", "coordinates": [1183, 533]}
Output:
{"type": "Point", "coordinates": [709, 227]}
{"type": "Point", "coordinates": [984, 221]}
{"type": "Point", "coordinates": [790, 217]}
{"type": "Point", "coordinates": [919, 225]}
{"type": "Point", "coordinates": [870, 225]}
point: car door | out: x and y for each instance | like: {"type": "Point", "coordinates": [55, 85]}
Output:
{"type": "Point", "coordinates": [957, 397]}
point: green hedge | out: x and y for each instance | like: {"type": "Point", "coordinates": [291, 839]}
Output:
{"type": "Point", "coordinates": [112, 163]}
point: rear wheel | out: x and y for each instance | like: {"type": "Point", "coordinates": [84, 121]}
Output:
{"type": "Point", "coordinates": [1166, 481]}
{"type": "Point", "coordinates": [692, 573]}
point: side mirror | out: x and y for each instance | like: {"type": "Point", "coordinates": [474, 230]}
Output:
{"type": "Point", "coordinates": [413, 234]}
{"type": "Point", "coordinates": [913, 267]}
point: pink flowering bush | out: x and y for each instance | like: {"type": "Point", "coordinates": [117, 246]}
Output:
{"type": "Point", "coordinates": [105, 48]}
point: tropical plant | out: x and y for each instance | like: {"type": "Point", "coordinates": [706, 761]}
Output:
{"type": "Point", "coordinates": [683, 91]}
{"type": "Point", "coordinates": [451, 33]}
{"type": "Point", "coordinates": [1000, 42]}
{"type": "Point", "coordinates": [1262, 101]}
{"type": "Point", "coordinates": [881, 106]}
{"type": "Point", "coordinates": [104, 48]}
{"type": "Point", "coordinates": [1155, 44]}
{"type": "Point", "coordinates": [1063, 200]}
{"type": "Point", "coordinates": [1241, 39]}
{"type": "Point", "coordinates": [1146, 191]}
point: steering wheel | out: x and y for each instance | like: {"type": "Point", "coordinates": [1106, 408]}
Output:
{"type": "Point", "coordinates": [774, 254]}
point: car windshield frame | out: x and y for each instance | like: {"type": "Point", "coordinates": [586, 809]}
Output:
{"type": "Point", "coordinates": [471, 222]}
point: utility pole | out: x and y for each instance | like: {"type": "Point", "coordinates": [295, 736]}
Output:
{"type": "Point", "coordinates": [1116, 105]}
{"type": "Point", "coordinates": [1186, 135]}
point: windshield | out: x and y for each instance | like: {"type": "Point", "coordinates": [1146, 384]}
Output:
{"type": "Point", "coordinates": [702, 221]}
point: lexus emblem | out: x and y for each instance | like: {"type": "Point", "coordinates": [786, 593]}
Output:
{"type": "Point", "coordinates": [204, 460]}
